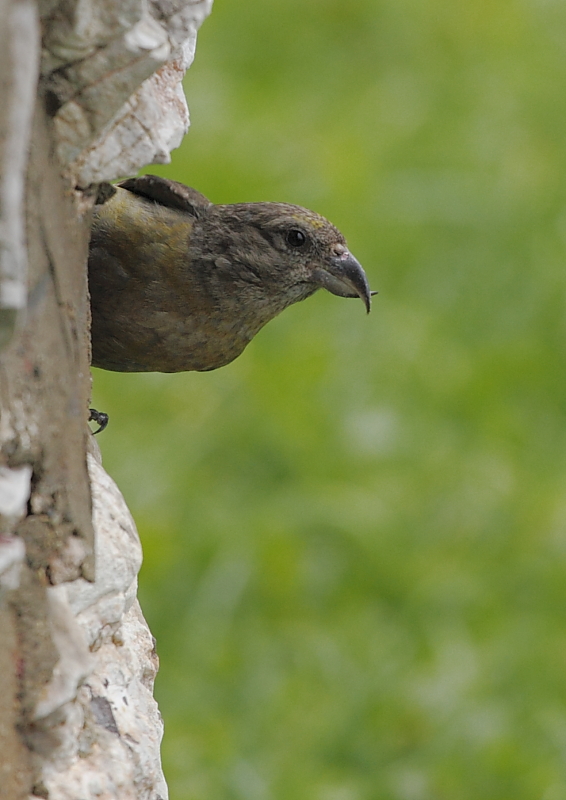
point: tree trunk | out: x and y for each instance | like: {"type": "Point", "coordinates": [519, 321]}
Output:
{"type": "Point", "coordinates": [89, 91]}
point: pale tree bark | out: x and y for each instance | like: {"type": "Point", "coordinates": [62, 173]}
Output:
{"type": "Point", "coordinates": [89, 90]}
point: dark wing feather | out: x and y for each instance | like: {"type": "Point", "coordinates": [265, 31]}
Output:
{"type": "Point", "coordinates": [168, 193]}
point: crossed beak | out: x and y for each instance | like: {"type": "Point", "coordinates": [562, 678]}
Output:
{"type": "Point", "coordinates": [345, 277]}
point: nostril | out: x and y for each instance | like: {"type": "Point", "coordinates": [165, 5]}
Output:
{"type": "Point", "coordinates": [339, 249]}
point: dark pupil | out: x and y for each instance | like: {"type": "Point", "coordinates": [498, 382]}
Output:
{"type": "Point", "coordinates": [296, 238]}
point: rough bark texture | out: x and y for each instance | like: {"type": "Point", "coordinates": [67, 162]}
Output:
{"type": "Point", "coordinates": [82, 102]}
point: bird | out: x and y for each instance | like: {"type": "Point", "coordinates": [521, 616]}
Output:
{"type": "Point", "coordinates": [178, 283]}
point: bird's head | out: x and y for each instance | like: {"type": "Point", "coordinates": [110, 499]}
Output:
{"type": "Point", "coordinates": [291, 249]}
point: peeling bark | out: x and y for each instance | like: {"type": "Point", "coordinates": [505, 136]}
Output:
{"type": "Point", "coordinates": [89, 91]}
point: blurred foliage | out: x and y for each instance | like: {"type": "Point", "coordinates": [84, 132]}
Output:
{"type": "Point", "coordinates": [355, 535]}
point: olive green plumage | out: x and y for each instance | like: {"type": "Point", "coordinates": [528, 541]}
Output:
{"type": "Point", "coordinates": [178, 283]}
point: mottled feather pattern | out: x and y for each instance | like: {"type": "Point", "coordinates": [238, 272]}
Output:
{"type": "Point", "coordinates": [178, 283]}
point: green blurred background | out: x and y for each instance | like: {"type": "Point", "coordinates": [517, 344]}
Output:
{"type": "Point", "coordinates": [355, 535]}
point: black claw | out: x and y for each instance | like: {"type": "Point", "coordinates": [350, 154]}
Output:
{"type": "Point", "coordinates": [100, 418]}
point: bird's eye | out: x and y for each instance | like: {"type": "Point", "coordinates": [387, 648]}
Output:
{"type": "Point", "coordinates": [296, 238]}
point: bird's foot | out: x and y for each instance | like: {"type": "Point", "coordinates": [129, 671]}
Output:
{"type": "Point", "coordinates": [100, 418]}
